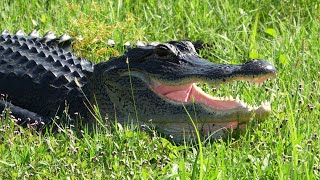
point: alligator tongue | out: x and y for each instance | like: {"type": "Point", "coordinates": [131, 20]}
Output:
{"type": "Point", "coordinates": [176, 93]}
{"type": "Point", "coordinates": [190, 93]}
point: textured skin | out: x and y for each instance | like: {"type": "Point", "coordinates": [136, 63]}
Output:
{"type": "Point", "coordinates": [41, 78]}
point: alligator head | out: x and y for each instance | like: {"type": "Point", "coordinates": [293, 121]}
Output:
{"type": "Point", "coordinates": [157, 85]}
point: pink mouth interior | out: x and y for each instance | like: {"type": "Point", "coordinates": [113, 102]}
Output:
{"type": "Point", "coordinates": [191, 93]}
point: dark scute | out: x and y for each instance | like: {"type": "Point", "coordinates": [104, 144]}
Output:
{"type": "Point", "coordinates": [8, 51]}
{"type": "Point", "coordinates": [83, 79]}
{"type": "Point", "coordinates": [22, 60]}
{"type": "Point", "coordinates": [79, 66]}
{"type": "Point", "coordinates": [22, 39]}
{"type": "Point", "coordinates": [39, 69]}
{"type": "Point", "coordinates": [49, 59]}
{"type": "Point", "coordinates": [54, 52]}
{"type": "Point", "coordinates": [69, 54]}
{"type": "Point", "coordinates": [33, 50]}
{"type": "Point", "coordinates": [38, 44]}
{"type": "Point", "coordinates": [65, 45]}
{"type": "Point", "coordinates": [15, 37]}
{"type": "Point", "coordinates": [63, 57]}
{"type": "Point", "coordinates": [3, 62]}
{"type": "Point", "coordinates": [27, 77]}
{"type": "Point", "coordinates": [12, 75]}
{"type": "Point", "coordinates": [17, 44]}
{"type": "Point", "coordinates": [2, 39]}
{"type": "Point", "coordinates": [66, 69]}
{"type": "Point", "coordinates": [9, 66]}
{"type": "Point", "coordinates": [8, 41]}
{"type": "Point", "coordinates": [75, 74]}
{"type": "Point", "coordinates": [31, 64]}
{"type": "Point", "coordinates": [8, 36]}
{"type": "Point", "coordinates": [48, 77]}
{"type": "Point", "coordinates": [46, 48]}
{"type": "Point", "coordinates": [70, 61]}
{"type": "Point", "coordinates": [60, 81]}
{"type": "Point", "coordinates": [41, 54]}
{"type": "Point", "coordinates": [72, 84]}
{"type": "Point", "coordinates": [24, 46]}
{"type": "Point", "coordinates": [57, 64]}
{"type": "Point", "coordinates": [15, 55]}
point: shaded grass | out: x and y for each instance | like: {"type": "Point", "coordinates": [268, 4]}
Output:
{"type": "Point", "coordinates": [286, 145]}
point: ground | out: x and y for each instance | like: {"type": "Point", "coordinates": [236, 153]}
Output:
{"type": "Point", "coordinates": [286, 145]}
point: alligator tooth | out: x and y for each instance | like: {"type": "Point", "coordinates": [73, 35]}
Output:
{"type": "Point", "coordinates": [256, 84]}
{"type": "Point", "coordinates": [111, 42]}
{"type": "Point", "coordinates": [267, 103]}
{"type": "Point", "coordinates": [271, 99]}
{"type": "Point", "coordinates": [20, 33]}
{"type": "Point", "coordinates": [237, 98]}
{"type": "Point", "coordinates": [231, 98]}
{"type": "Point", "coordinates": [243, 104]}
{"type": "Point", "coordinates": [34, 34]}
{"type": "Point", "coordinates": [260, 84]}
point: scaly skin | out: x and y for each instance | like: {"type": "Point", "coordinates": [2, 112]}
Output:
{"type": "Point", "coordinates": [153, 85]}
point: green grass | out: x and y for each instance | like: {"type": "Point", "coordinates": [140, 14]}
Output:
{"type": "Point", "coordinates": [284, 146]}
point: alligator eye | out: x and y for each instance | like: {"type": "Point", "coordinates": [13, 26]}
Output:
{"type": "Point", "coordinates": [162, 51]}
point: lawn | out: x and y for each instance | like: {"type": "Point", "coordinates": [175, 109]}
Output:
{"type": "Point", "coordinates": [284, 146]}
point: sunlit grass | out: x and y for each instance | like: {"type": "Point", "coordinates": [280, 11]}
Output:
{"type": "Point", "coordinates": [286, 145]}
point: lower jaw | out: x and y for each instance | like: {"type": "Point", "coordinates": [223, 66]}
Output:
{"type": "Point", "coordinates": [186, 132]}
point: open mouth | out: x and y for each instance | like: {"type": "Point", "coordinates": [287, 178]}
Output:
{"type": "Point", "coordinates": [191, 93]}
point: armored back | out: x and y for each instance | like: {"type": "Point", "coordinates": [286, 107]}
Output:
{"type": "Point", "coordinates": [40, 77]}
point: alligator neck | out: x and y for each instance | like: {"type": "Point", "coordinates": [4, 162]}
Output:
{"type": "Point", "coordinates": [97, 100]}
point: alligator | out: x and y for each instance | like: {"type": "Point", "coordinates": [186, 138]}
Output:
{"type": "Point", "coordinates": [154, 85]}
